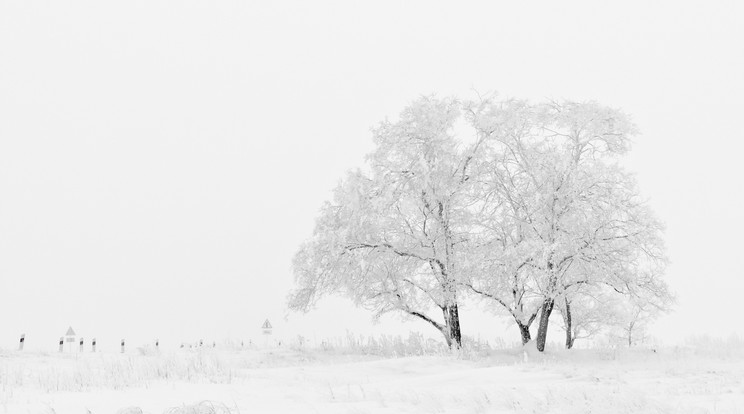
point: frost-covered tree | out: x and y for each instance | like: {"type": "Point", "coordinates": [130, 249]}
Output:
{"type": "Point", "coordinates": [570, 214]}
{"type": "Point", "coordinates": [393, 238]}
{"type": "Point", "coordinates": [588, 310]}
{"type": "Point", "coordinates": [591, 307]}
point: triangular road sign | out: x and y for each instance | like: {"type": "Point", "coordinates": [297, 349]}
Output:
{"type": "Point", "coordinates": [70, 332]}
{"type": "Point", "coordinates": [266, 325]}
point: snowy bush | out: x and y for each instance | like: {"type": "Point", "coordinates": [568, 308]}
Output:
{"type": "Point", "coordinates": [204, 407]}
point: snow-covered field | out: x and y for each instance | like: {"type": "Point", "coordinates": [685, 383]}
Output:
{"type": "Point", "coordinates": [291, 380]}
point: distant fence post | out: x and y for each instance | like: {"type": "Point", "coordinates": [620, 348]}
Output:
{"type": "Point", "coordinates": [122, 346]}
{"type": "Point", "coordinates": [23, 339]}
{"type": "Point", "coordinates": [93, 345]}
{"type": "Point", "coordinates": [81, 344]}
{"type": "Point", "coordinates": [61, 344]}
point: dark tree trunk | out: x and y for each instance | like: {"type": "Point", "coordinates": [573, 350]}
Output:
{"type": "Point", "coordinates": [569, 327]}
{"type": "Point", "coordinates": [524, 331]}
{"type": "Point", "coordinates": [452, 326]}
{"type": "Point", "coordinates": [542, 329]}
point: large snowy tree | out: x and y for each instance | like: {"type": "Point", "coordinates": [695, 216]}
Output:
{"type": "Point", "coordinates": [570, 214]}
{"type": "Point", "coordinates": [394, 235]}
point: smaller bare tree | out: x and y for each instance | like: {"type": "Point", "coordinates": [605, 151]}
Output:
{"type": "Point", "coordinates": [639, 313]}
{"type": "Point", "coordinates": [587, 311]}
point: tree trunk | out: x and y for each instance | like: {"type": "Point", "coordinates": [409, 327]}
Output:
{"type": "Point", "coordinates": [444, 329]}
{"type": "Point", "coordinates": [542, 330]}
{"type": "Point", "coordinates": [446, 335]}
{"type": "Point", "coordinates": [569, 327]}
{"type": "Point", "coordinates": [452, 325]}
{"type": "Point", "coordinates": [524, 330]}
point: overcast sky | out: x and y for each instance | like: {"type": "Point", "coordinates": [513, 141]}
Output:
{"type": "Point", "coordinates": [161, 161]}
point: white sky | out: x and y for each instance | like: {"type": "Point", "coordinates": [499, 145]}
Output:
{"type": "Point", "coordinates": [161, 161]}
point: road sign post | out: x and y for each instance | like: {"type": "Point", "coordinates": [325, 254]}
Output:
{"type": "Point", "coordinates": [267, 330]}
{"type": "Point", "coordinates": [70, 338]}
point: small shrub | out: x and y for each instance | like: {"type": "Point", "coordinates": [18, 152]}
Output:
{"type": "Point", "coordinates": [204, 407]}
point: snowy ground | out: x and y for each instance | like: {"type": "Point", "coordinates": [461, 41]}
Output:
{"type": "Point", "coordinates": [671, 380]}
